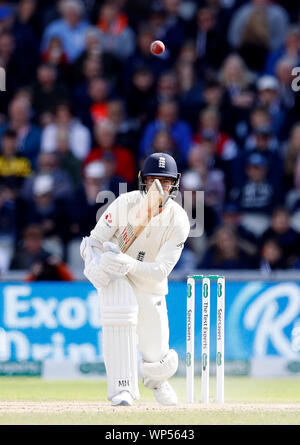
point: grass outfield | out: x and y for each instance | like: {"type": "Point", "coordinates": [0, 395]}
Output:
{"type": "Point", "coordinates": [33, 401]}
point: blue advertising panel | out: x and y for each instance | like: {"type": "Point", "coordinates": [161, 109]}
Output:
{"type": "Point", "coordinates": [62, 320]}
{"type": "Point", "coordinates": [51, 321]}
{"type": "Point", "coordinates": [261, 318]}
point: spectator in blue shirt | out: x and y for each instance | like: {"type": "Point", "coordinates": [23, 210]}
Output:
{"type": "Point", "coordinates": [256, 194]}
{"type": "Point", "coordinates": [70, 29]}
{"type": "Point", "coordinates": [167, 118]}
{"type": "Point", "coordinates": [28, 134]}
{"type": "Point", "coordinates": [270, 97]}
{"type": "Point", "coordinates": [290, 48]}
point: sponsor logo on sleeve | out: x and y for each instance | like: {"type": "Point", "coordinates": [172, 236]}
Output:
{"type": "Point", "coordinates": [108, 218]}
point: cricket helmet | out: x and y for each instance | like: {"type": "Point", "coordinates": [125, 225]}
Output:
{"type": "Point", "coordinates": [160, 164]}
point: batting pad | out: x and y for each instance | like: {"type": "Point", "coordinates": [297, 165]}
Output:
{"type": "Point", "coordinates": [157, 372]}
{"type": "Point", "coordinates": [119, 312]}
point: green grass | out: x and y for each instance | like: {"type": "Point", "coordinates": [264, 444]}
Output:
{"type": "Point", "coordinates": [241, 394]}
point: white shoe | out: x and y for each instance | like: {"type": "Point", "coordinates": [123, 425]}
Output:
{"type": "Point", "coordinates": [165, 394]}
{"type": "Point", "coordinates": [123, 398]}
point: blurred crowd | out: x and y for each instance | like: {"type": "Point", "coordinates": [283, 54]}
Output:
{"type": "Point", "coordinates": [86, 102]}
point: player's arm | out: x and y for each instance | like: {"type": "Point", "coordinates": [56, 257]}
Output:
{"type": "Point", "coordinates": [122, 264]}
{"type": "Point", "coordinates": [165, 262]}
{"type": "Point", "coordinates": [92, 247]}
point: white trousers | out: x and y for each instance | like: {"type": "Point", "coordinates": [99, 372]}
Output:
{"type": "Point", "coordinates": [152, 327]}
{"type": "Point", "coordinates": [130, 320]}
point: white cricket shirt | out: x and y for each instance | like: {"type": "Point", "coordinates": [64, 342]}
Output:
{"type": "Point", "coordinates": [158, 247]}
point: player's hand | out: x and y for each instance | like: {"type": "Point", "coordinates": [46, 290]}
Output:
{"type": "Point", "coordinates": [95, 274]}
{"type": "Point", "coordinates": [108, 246]}
{"type": "Point", "coordinates": [117, 264]}
{"type": "Point", "coordinates": [86, 245]}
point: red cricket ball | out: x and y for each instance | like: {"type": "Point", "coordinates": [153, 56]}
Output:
{"type": "Point", "coordinates": [157, 47]}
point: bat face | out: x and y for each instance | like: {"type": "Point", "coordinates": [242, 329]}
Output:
{"type": "Point", "coordinates": [149, 207]}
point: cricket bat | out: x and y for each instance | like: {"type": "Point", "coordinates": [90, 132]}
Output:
{"type": "Point", "coordinates": [148, 208]}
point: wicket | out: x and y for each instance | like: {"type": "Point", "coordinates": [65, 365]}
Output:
{"type": "Point", "coordinates": [190, 338]}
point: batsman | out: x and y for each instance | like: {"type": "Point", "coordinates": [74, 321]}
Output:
{"type": "Point", "coordinates": [132, 286]}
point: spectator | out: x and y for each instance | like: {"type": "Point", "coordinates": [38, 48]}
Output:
{"type": "Point", "coordinates": [70, 28]}
{"type": "Point", "coordinates": [256, 196]}
{"type": "Point", "coordinates": [47, 92]}
{"type": "Point", "coordinates": [202, 160]}
{"type": "Point", "coordinates": [25, 31]}
{"type": "Point", "coordinates": [27, 19]}
{"type": "Point", "coordinates": [261, 134]}
{"type": "Point", "coordinates": [271, 257]}
{"type": "Point", "coordinates": [192, 188]}
{"type": "Point", "coordinates": [8, 214]}
{"type": "Point", "coordinates": [172, 28]}
{"type": "Point", "coordinates": [12, 166]}
{"type": "Point", "coordinates": [163, 143]}
{"type": "Point", "coordinates": [167, 87]}
{"type": "Point", "coordinates": [8, 225]}
{"type": "Point", "coordinates": [290, 49]}
{"type": "Point", "coordinates": [94, 57]}
{"type": "Point", "coordinates": [143, 58]}
{"type": "Point", "coordinates": [224, 252]}
{"type": "Point", "coordinates": [224, 11]}
{"type": "Point", "coordinates": [55, 55]}
{"type": "Point", "coordinates": [115, 35]}
{"type": "Point", "coordinates": [211, 47]}
{"type": "Point", "coordinates": [97, 176]}
{"type": "Point", "coordinates": [28, 134]}
{"type": "Point", "coordinates": [293, 197]}
{"type": "Point", "coordinates": [224, 148]}
{"type": "Point", "coordinates": [38, 262]}
{"type": "Point", "coordinates": [259, 117]}
{"type": "Point", "coordinates": [79, 135]}
{"type": "Point", "coordinates": [48, 164]}
{"type": "Point", "coordinates": [287, 238]}
{"type": "Point", "coordinates": [269, 97]}
{"type": "Point", "coordinates": [67, 161]}
{"type": "Point", "coordinates": [263, 142]}
{"type": "Point", "coordinates": [209, 123]}
{"type": "Point", "coordinates": [140, 99]}
{"type": "Point", "coordinates": [127, 128]}
{"type": "Point", "coordinates": [188, 53]}
{"type": "Point", "coordinates": [189, 92]}
{"type": "Point", "coordinates": [10, 61]}
{"type": "Point", "coordinates": [283, 70]}
{"type": "Point", "coordinates": [239, 92]}
{"type": "Point", "coordinates": [291, 156]}
{"type": "Point", "coordinates": [91, 101]}
{"type": "Point", "coordinates": [166, 90]}
{"type": "Point", "coordinates": [232, 217]}
{"type": "Point", "coordinates": [167, 117]}
{"type": "Point", "coordinates": [254, 41]}
{"type": "Point", "coordinates": [212, 94]}
{"type": "Point", "coordinates": [105, 137]}
{"type": "Point", "coordinates": [262, 139]}
{"type": "Point", "coordinates": [259, 16]}
{"type": "Point", "coordinates": [46, 210]}
{"type": "Point", "coordinates": [236, 78]}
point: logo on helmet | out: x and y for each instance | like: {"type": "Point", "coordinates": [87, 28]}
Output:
{"type": "Point", "coordinates": [162, 162]}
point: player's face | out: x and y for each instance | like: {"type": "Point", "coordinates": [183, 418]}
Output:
{"type": "Point", "coordinates": [166, 183]}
